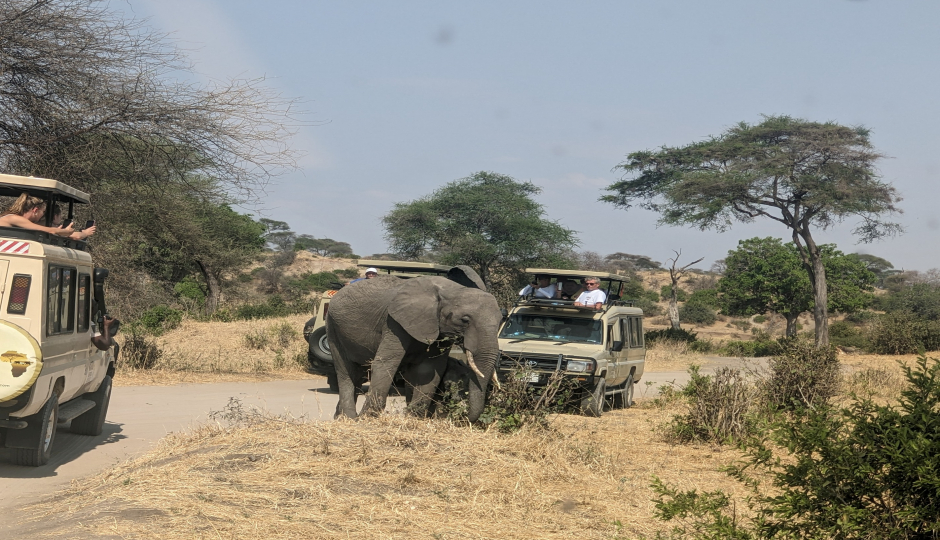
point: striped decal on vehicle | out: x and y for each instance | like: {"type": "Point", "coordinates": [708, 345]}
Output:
{"type": "Point", "coordinates": [14, 246]}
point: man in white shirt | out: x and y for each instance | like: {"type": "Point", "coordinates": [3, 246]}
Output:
{"type": "Point", "coordinates": [593, 296]}
{"type": "Point", "coordinates": [541, 288]}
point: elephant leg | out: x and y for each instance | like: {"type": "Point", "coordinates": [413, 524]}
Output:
{"type": "Point", "coordinates": [347, 375]}
{"type": "Point", "coordinates": [424, 377]}
{"type": "Point", "coordinates": [387, 360]}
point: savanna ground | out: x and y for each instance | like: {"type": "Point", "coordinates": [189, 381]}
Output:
{"type": "Point", "coordinates": [248, 474]}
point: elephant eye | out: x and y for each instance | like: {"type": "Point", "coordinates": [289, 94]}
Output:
{"type": "Point", "coordinates": [465, 319]}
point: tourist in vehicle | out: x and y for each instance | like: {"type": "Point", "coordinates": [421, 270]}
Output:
{"type": "Point", "coordinates": [77, 235]}
{"type": "Point", "coordinates": [541, 288]}
{"type": "Point", "coordinates": [570, 289]}
{"type": "Point", "coordinates": [25, 213]}
{"type": "Point", "coordinates": [370, 273]}
{"type": "Point", "coordinates": [593, 296]}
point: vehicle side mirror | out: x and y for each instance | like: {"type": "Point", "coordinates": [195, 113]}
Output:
{"type": "Point", "coordinates": [616, 346]}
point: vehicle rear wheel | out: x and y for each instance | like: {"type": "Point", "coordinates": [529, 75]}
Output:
{"type": "Point", "coordinates": [624, 399]}
{"type": "Point", "coordinates": [91, 422]}
{"type": "Point", "coordinates": [47, 418]}
{"type": "Point", "coordinates": [320, 345]}
{"type": "Point", "coordinates": [592, 404]}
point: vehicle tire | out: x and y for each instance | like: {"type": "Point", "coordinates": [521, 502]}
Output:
{"type": "Point", "coordinates": [624, 399]}
{"type": "Point", "coordinates": [320, 345]}
{"type": "Point", "coordinates": [91, 422]}
{"type": "Point", "coordinates": [592, 404]}
{"type": "Point", "coordinates": [48, 418]}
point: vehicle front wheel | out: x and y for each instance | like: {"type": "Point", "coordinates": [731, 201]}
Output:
{"type": "Point", "coordinates": [320, 345]}
{"type": "Point", "coordinates": [592, 404]}
{"type": "Point", "coordinates": [47, 418]}
{"type": "Point", "coordinates": [91, 422]}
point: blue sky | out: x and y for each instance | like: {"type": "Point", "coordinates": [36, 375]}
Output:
{"type": "Point", "coordinates": [406, 96]}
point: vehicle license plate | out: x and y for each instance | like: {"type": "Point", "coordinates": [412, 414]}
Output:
{"type": "Point", "coordinates": [534, 378]}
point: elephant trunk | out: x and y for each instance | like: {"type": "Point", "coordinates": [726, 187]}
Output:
{"type": "Point", "coordinates": [483, 365]}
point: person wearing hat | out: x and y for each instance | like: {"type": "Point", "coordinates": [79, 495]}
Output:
{"type": "Point", "coordinates": [541, 288]}
{"type": "Point", "coordinates": [370, 273]}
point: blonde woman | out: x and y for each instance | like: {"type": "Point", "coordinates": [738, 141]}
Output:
{"type": "Point", "coordinates": [25, 212]}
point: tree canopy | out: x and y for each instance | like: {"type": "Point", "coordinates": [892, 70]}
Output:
{"type": "Point", "coordinates": [484, 220]}
{"type": "Point", "coordinates": [804, 175]}
{"type": "Point", "coordinates": [763, 274]}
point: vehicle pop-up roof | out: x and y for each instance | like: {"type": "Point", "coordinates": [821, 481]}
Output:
{"type": "Point", "coordinates": [611, 284]}
{"type": "Point", "coordinates": [404, 268]}
{"type": "Point", "coordinates": [52, 191]}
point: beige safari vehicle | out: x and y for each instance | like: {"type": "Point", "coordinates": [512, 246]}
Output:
{"type": "Point", "coordinates": [600, 351]}
{"type": "Point", "coordinates": [50, 296]}
{"type": "Point", "coordinates": [319, 356]}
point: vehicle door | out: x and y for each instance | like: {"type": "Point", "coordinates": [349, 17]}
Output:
{"type": "Point", "coordinates": [65, 352]}
{"type": "Point", "coordinates": [634, 347]}
{"type": "Point", "coordinates": [616, 373]}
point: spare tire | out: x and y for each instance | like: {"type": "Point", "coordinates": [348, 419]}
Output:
{"type": "Point", "coordinates": [20, 360]}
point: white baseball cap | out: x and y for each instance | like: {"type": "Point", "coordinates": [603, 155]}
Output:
{"type": "Point", "coordinates": [373, 270]}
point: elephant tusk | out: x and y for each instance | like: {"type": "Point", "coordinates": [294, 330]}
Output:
{"type": "Point", "coordinates": [496, 381]}
{"type": "Point", "coordinates": [473, 365]}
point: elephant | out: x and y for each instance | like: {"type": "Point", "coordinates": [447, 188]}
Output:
{"type": "Point", "coordinates": [389, 324]}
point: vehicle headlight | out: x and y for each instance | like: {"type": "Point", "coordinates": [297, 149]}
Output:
{"type": "Point", "coordinates": [581, 366]}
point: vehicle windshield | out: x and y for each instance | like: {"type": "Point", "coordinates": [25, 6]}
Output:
{"type": "Point", "coordinates": [553, 328]}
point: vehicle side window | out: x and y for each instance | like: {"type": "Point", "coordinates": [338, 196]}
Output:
{"type": "Point", "coordinates": [610, 335]}
{"type": "Point", "coordinates": [636, 332]}
{"type": "Point", "coordinates": [84, 287]}
{"type": "Point", "coordinates": [60, 301]}
{"type": "Point", "coordinates": [625, 331]}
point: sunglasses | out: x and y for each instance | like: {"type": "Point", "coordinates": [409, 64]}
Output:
{"type": "Point", "coordinates": [594, 284]}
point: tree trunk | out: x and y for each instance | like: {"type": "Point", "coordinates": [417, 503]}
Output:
{"type": "Point", "coordinates": [213, 290]}
{"type": "Point", "coordinates": [812, 260]}
{"type": "Point", "coordinates": [674, 308]}
{"type": "Point", "coordinates": [791, 323]}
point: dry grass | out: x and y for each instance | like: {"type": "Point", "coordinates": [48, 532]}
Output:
{"type": "Point", "coordinates": [261, 349]}
{"type": "Point", "coordinates": [878, 376]}
{"type": "Point", "coordinates": [669, 355]}
{"type": "Point", "coordinates": [391, 477]}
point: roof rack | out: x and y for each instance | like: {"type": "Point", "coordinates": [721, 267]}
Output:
{"type": "Point", "coordinates": [403, 266]}
{"type": "Point", "coordinates": [52, 192]}
{"type": "Point", "coordinates": [530, 301]}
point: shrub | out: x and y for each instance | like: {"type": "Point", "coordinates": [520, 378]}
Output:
{"type": "Point", "coordinates": [190, 289]}
{"type": "Point", "coordinates": [515, 404]}
{"type": "Point", "coordinates": [904, 333]}
{"type": "Point", "coordinates": [650, 309]}
{"type": "Point", "coordinates": [319, 282]}
{"type": "Point", "coordinates": [862, 317]}
{"type": "Point", "coordinates": [159, 319]}
{"type": "Point", "coordinates": [256, 339]}
{"type": "Point", "coordinates": [843, 334]}
{"type": "Point", "coordinates": [705, 297]}
{"type": "Point", "coordinates": [720, 408]}
{"type": "Point", "coordinates": [760, 319]}
{"type": "Point", "coordinates": [697, 314]}
{"type": "Point", "coordinates": [865, 471]}
{"type": "Point", "coordinates": [673, 334]}
{"type": "Point", "coordinates": [801, 375]}
{"type": "Point", "coordinates": [273, 307]}
{"type": "Point", "coordinates": [283, 334]}
{"type": "Point", "coordinates": [139, 351]}
{"type": "Point", "coordinates": [349, 273]}
{"type": "Point", "coordinates": [665, 293]}
{"type": "Point", "coordinates": [762, 346]}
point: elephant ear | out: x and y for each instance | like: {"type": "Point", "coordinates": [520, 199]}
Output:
{"type": "Point", "coordinates": [466, 276]}
{"type": "Point", "coordinates": [416, 308]}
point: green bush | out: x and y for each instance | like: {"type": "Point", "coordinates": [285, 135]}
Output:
{"type": "Point", "coordinates": [515, 404]}
{"type": "Point", "coordinates": [671, 334]}
{"type": "Point", "coordinates": [865, 471]}
{"type": "Point", "coordinates": [843, 334]}
{"type": "Point", "coordinates": [348, 273]}
{"type": "Point", "coordinates": [650, 309]}
{"type": "Point", "coordinates": [159, 319]}
{"type": "Point", "coordinates": [273, 307]}
{"type": "Point", "coordinates": [862, 317]}
{"type": "Point", "coordinates": [319, 282]}
{"type": "Point", "coordinates": [760, 319]}
{"type": "Point", "coordinates": [697, 314]}
{"type": "Point", "coordinates": [190, 289]}
{"type": "Point", "coordinates": [762, 346]}
{"type": "Point", "coordinates": [705, 297]}
{"type": "Point", "coordinates": [665, 293]}
{"type": "Point", "coordinates": [904, 333]}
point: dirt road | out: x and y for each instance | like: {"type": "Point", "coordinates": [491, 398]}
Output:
{"type": "Point", "coordinates": [140, 416]}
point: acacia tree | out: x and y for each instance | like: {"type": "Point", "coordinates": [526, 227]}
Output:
{"type": "Point", "coordinates": [484, 220]}
{"type": "Point", "coordinates": [675, 275]}
{"type": "Point", "coordinates": [804, 175]}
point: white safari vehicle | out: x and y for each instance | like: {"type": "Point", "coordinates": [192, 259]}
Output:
{"type": "Point", "coordinates": [600, 351]}
{"type": "Point", "coordinates": [50, 296]}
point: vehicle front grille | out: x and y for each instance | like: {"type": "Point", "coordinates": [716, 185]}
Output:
{"type": "Point", "coordinates": [538, 362]}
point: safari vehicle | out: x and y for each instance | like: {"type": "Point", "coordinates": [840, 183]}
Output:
{"type": "Point", "coordinates": [321, 361]}
{"type": "Point", "coordinates": [600, 351]}
{"type": "Point", "coordinates": [50, 373]}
